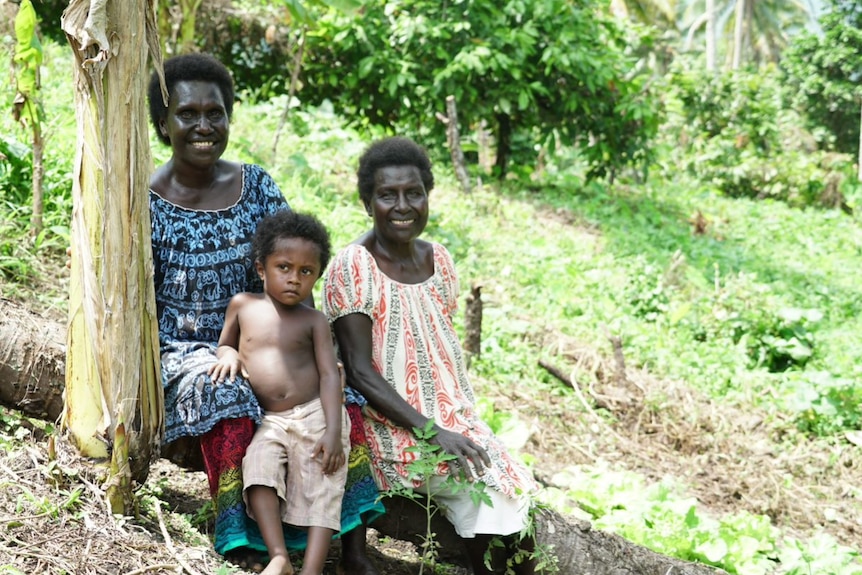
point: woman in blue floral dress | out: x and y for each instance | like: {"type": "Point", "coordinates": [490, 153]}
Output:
{"type": "Point", "coordinates": [204, 211]}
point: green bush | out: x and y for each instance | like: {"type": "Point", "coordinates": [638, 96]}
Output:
{"type": "Point", "coordinates": [737, 135]}
{"type": "Point", "coordinates": [647, 293]}
{"type": "Point", "coordinates": [747, 314]}
{"type": "Point", "coordinates": [823, 404]}
{"type": "Point", "coordinates": [822, 76]}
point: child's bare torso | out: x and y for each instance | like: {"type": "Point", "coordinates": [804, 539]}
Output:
{"type": "Point", "coordinates": [276, 348]}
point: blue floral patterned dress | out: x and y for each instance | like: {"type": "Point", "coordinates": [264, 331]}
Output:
{"type": "Point", "coordinates": [202, 258]}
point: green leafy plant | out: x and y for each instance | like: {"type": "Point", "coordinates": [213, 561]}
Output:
{"type": "Point", "coordinates": [824, 404]}
{"type": "Point", "coordinates": [17, 262]}
{"type": "Point", "coordinates": [647, 293]}
{"type": "Point", "coordinates": [818, 555]}
{"type": "Point", "coordinates": [12, 428]}
{"type": "Point", "coordinates": [747, 314]}
{"type": "Point", "coordinates": [49, 506]}
{"type": "Point", "coordinates": [227, 569]}
{"type": "Point", "coordinates": [544, 559]}
{"type": "Point", "coordinates": [428, 458]}
{"type": "Point", "coordinates": [662, 518]}
{"type": "Point", "coordinates": [15, 169]}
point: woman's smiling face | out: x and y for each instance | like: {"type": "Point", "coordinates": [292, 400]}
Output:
{"type": "Point", "coordinates": [197, 123]}
{"type": "Point", "coordinates": [399, 204]}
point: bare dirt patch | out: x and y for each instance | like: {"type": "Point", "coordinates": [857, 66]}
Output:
{"type": "Point", "coordinates": [731, 458]}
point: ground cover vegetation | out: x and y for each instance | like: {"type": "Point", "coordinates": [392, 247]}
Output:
{"type": "Point", "coordinates": [685, 333]}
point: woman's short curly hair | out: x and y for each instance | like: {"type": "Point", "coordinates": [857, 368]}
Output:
{"type": "Point", "coordinates": [188, 68]}
{"type": "Point", "coordinates": [394, 151]}
{"type": "Point", "coordinates": [290, 224]}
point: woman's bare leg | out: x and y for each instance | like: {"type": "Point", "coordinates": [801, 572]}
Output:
{"type": "Point", "coordinates": [354, 554]}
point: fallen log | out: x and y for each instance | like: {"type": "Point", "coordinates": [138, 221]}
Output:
{"type": "Point", "coordinates": [579, 549]}
{"type": "Point", "coordinates": [32, 361]}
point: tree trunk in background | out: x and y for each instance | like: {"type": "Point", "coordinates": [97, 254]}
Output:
{"type": "Point", "coordinates": [453, 138]}
{"type": "Point", "coordinates": [504, 144]}
{"type": "Point", "coordinates": [710, 36]}
{"type": "Point", "coordinates": [176, 23]}
{"type": "Point", "coordinates": [473, 323]}
{"type": "Point", "coordinates": [739, 33]}
{"type": "Point", "coordinates": [31, 373]}
{"type": "Point", "coordinates": [113, 396]}
{"type": "Point", "coordinates": [26, 62]}
{"type": "Point", "coordinates": [167, 30]}
{"type": "Point", "coordinates": [36, 223]}
{"type": "Point", "coordinates": [483, 141]}
{"type": "Point", "coordinates": [859, 157]}
{"type": "Point", "coordinates": [299, 51]}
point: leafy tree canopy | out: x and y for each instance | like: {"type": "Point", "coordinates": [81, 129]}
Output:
{"type": "Point", "coordinates": [537, 71]}
{"type": "Point", "coordinates": [823, 75]}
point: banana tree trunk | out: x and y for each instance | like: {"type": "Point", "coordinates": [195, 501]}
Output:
{"type": "Point", "coordinates": [25, 107]}
{"type": "Point", "coordinates": [113, 397]}
{"type": "Point", "coordinates": [188, 24]}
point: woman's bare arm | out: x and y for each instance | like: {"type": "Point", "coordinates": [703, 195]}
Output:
{"type": "Point", "coordinates": [353, 334]}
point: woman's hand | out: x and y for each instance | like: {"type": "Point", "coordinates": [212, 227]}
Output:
{"type": "Point", "coordinates": [465, 450]}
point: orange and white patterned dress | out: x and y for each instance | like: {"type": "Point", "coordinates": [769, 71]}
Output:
{"type": "Point", "coordinates": [416, 350]}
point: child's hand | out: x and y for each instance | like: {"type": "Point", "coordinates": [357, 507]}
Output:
{"type": "Point", "coordinates": [330, 452]}
{"type": "Point", "coordinates": [224, 368]}
{"type": "Point", "coordinates": [227, 365]}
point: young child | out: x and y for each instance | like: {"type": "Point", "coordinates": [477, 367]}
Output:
{"type": "Point", "coordinates": [294, 470]}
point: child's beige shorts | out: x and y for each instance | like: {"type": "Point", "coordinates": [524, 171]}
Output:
{"type": "Point", "coordinates": [279, 456]}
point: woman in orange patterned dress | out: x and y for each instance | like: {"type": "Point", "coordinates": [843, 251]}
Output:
{"type": "Point", "coordinates": [390, 297]}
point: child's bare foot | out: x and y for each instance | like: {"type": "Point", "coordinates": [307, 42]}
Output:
{"type": "Point", "coordinates": [278, 565]}
{"type": "Point", "coordinates": [356, 565]}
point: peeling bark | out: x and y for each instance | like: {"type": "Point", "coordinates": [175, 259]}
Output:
{"type": "Point", "coordinates": [113, 395]}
